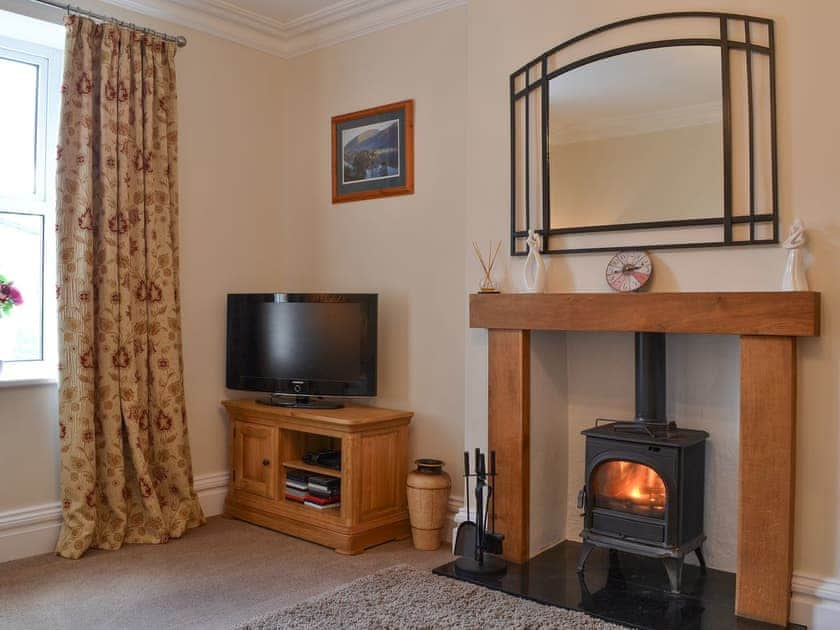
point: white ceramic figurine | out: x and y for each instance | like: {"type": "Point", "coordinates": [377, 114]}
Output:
{"type": "Point", "coordinates": [534, 270]}
{"type": "Point", "coordinates": [794, 278]}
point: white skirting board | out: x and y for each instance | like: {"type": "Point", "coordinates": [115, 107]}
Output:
{"type": "Point", "coordinates": [34, 530]}
{"type": "Point", "coordinates": [454, 508]}
{"type": "Point", "coordinates": [815, 602]}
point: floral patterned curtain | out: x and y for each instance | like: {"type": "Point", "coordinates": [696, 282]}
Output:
{"type": "Point", "coordinates": [126, 472]}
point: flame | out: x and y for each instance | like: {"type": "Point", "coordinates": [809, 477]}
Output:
{"type": "Point", "coordinates": [629, 486]}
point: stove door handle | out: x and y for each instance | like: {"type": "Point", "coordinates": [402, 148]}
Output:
{"type": "Point", "coordinates": [581, 499]}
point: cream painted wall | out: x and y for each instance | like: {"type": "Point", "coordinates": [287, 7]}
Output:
{"type": "Point", "coordinates": [501, 37]}
{"type": "Point", "coordinates": [406, 248]}
{"type": "Point", "coordinates": [232, 228]}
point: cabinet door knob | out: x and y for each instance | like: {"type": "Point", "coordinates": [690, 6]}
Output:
{"type": "Point", "coordinates": [266, 462]}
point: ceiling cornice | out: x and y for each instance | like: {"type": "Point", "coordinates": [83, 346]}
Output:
{"type": "Point", "coordinates": [636, 124]}
{"type": "Point", "coordinates": [353, 18]}
{"type": "Point", "coordinates": [344, 20]}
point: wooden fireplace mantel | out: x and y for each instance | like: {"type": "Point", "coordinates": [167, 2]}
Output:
{"type": "Point", "coordinates": [795, 313]}
{"type": "Point", "coordinates": [768, 324]}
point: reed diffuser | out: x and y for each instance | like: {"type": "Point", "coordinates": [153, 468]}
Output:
{"type": "Point", "coordinates": [488, 285]}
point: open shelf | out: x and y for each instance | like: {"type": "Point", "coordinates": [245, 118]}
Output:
{"type": "Point", "coordinates": [294, 507]}
{"type": "Point", "coordinates": [299, 464]}
{"type": "Point", "coordinates": [294, 444]}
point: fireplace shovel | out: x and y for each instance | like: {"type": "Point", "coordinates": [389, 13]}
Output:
{"type": "Point", "coordinates": [465, 538]}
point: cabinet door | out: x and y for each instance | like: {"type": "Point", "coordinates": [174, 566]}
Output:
{"type": "Point", "coordinates": [255, 453]}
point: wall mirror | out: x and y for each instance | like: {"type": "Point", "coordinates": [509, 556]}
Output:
{"type": "Point", "coordinates": [654, 132]}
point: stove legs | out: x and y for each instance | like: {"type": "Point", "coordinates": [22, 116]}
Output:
{"type": "Point", "coordinates": [701, 559]}
{"type": "Point", "coordinates": [614, 574]}
{"type": "Point", "coordinates": [674, 567]}
{"type": "Point", "coordinates": [585, 550]}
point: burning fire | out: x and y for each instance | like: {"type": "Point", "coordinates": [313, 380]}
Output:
{"type": "Point", "coordinates": [629, 486]}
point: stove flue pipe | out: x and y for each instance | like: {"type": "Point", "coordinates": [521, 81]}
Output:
{"type": "Point", "coordinates": [651, 386]}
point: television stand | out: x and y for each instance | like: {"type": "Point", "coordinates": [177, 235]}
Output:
{"type": "Point", "coordinates": [268, 441]}
{"type": "Point", "coordinates": [300, 402]}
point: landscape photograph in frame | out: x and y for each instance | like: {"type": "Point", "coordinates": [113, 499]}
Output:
{"type": "Point", "coordinates": [373, 153]}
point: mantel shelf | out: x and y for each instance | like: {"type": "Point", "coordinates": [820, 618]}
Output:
{"type": "Point", "coordinates": [779, 313]}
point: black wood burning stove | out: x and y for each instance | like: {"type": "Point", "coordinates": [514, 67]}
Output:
{"type": "Point", "coordinates": [643, 492]}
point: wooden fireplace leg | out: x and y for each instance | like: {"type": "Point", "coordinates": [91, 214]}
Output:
{"type": "Point", "coordinates": [765, 500]}
{"type": "Point", "coordinates": [509, 392]}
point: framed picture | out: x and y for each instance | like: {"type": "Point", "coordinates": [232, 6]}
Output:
{"type": "Point", "coordinates": [373, 153]}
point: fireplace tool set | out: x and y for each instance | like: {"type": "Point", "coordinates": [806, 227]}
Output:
{"type": "Point", "coordinates": [478, 546]}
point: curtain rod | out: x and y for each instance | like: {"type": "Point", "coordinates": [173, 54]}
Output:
{"type": "Point", "coordinates": [180, 40]}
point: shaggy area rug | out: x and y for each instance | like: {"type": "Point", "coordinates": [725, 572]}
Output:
{"type": "Point", "coordinates": [405, 597]}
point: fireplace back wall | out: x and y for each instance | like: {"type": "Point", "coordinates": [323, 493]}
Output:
{"type": "Point", "coordinates": [599, 370]}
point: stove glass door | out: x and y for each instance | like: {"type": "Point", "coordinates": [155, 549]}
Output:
{"type": "Point", "coordinates": [627, 486]}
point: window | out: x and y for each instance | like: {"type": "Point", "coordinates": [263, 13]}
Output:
{"type": "Point", "coordinates": [30, 80]}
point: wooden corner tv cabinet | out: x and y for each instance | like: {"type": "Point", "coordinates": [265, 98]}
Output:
{"type": "Point", "coordinates": [267, 441]}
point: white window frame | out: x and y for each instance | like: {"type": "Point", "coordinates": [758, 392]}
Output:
{"type": "Point", "coordinates": [49, 62]}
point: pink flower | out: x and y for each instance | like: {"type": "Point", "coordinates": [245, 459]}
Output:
{"type": "Point", "coordinates": [15, 296]}
{"type": "Point", "coordinates": [9, 296]}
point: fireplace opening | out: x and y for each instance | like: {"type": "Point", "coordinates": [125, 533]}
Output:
{"type": "Point", "coordinates": [629, 487]}
{"type": "Point", "coordinates": [644, 487]}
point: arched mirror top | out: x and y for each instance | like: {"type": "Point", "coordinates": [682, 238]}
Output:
{"type": "Point", "coordinates": [653, 132]}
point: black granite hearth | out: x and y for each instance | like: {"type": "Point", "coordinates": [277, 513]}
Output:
{"type": "Point", "coordinates": [633, 591]}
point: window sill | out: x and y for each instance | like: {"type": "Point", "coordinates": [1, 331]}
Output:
{"type": "Point", "coordinates": [26, 382]}
{"type": "Point", "coordinates": [27, 374]}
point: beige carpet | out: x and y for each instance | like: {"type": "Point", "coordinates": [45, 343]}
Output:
{"type": "Point", "coordinates": [405, 597]}
{"type": "Point", "coordinates": [217, 576]}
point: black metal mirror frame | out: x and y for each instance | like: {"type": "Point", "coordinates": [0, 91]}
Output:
{"type": "Point", "coordinates": [725, 43]}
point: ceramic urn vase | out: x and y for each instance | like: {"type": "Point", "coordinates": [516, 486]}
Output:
{"type": "Point", "coordinates": [427, 488]}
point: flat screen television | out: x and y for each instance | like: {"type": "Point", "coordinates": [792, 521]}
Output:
{"type": "Point", "coordinates": [302, 345]}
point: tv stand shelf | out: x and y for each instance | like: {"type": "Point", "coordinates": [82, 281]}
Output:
{"type": "Point", "coordinates": [265, 441]}
{"type": "Point", "coordinates": [299, 464]}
